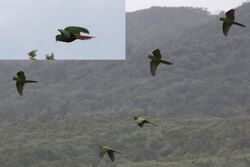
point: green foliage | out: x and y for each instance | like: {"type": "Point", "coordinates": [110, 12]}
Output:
{"type": "Point", "coordinates": [193, 141]}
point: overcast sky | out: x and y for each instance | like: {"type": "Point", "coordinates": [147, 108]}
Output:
{"type": "Point", "coordinates": [213, 6]}
{"type": "Point", "coordinates": [33, 24]}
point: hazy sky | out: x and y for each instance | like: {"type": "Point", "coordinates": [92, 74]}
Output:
{"type": "Point", "coordinates": [212, 5]}
{"type": "Point", "coordinates": [33, 24]}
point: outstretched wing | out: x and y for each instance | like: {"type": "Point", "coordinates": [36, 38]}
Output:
{"type": "Point", "coordinates": [101, 153]}
{"type": "Point", "coordinates": [21, 75]}
{"type": "Point", "coordinates": [141, 124]}
{"type": "Point", "coordinates": [226, 28]}
{"type": "Point", "coordinates": [157, 53]}
{"type": "Point", "coordinates": [19, 86]}
{"type": "Point", "coordinates": [230, 14]}
{"type": "Point", "coordinates": [76, 30]}
{"type": "Point", "coordinates": [153, 67]}
{"type": "Point", "coordinates": [111, 155]}
{"type": "Point", "coordinates": [32, 53]}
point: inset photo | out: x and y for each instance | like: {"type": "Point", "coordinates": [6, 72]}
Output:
{"type": "Point", "coordinates": [62, 30]}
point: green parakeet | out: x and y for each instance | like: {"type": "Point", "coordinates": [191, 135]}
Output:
{"type": "Point", "coordinates": [50, 57]}
{"type": "Point", "coordinates": [105, 149]}
{"type": "Point", "coordinates": [72, 33]}
{"type": "Point", "coordinates": [21, 81]}
{"type": "Point", "coordinates": [32, 54]}
{"type": "Point", "coordinates": [156, 60]}
{"type": "Point", "coordinates": [228, 21]}
{"type": "Point", "coordinates": [141, 121]}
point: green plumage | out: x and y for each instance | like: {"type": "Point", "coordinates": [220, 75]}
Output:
{"type": "Point", "coordinates": [21, 81]}
{"type": "Point", "coordinates": [156, 60]}
{"type": "Point", "coordinates": [141, 121]}
{"type": "Point", "coordinates": [228, 21]}
{"type": "Point", "coordinates": [32, 55]}
{"type": "Point", "coordinates": [50, 57]}
{"type": "Point", "coordinates": [106, 149]}
{"type": "Point", "coordinates": [72, 33]}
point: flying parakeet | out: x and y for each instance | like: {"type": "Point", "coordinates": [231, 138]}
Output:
{"type": "Point", "coordinates": [72, 33]}
{"type": "Point", "coordinates": [21, 81]}
{"type": "Point", "coordinates": [105, 149]}
{"type": "Point", "coordinates": [156, 60]}
{"type": "Point", "coordinates": [32, 54]}
{"type": "Point", "coordinates": [141, 121]}
{"type": "Point", "coordinates": [50, 57]}
{"type": "Point", "coordinates": [228, 21]}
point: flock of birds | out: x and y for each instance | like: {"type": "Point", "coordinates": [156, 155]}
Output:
{"type": "Point", "coordinates": [68, 34]}
{"type": "Point", "coordinates": [72, 33]}
{"type": "Point", "coordinates": [32, 55]}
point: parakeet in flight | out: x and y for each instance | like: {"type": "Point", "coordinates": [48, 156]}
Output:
{"type": "Point", "coordinates": [105, 149]}
{"type": "Point", "coordinates": [228, 21]}
{"type": "Point", "coordinates": [141, 121]}
{"type": "Point", "coordinates": [156, 60]}
{"type": "Point", "coordinates": [21, 81]}
{"type": "Point", "coordinates": [32, 54]}
{"type": "Point", "coordinates": [50, 57]}
{"type": "Point", "coordinates": [72, 33]}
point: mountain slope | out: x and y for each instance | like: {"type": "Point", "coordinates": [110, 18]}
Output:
{"type": "Point", "coordinates": [210, 72]}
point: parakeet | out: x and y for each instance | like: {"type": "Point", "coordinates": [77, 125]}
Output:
{"type": "Point", "coordinates": [21, 81]}
{"type": "Point", "coordinates": [228, 21]}
{"type": "Point", "coordinates": [105, 149]}
{"type": "Point", "coordinates": [141, 121]}
{"type": "Point", "coordinates": [32, 54]}
{"type": "Point", "coordinates": [50, 57]}
{"type": "Point", "coordinates": [156, 60]}
{"type": "Point", "coordinates": [72, 33]}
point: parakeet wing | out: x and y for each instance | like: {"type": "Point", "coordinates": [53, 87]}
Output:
{"type": "Point", "coordinates": [141, 124]}
{"type": "Point", "coordinates": [226, 28]}
{"type": "Point", "coordinates": [76, 30]}
{"type": "Point", "coordinates": [111, 155]}
{"type": "Point", "coordinates": [230, 14]}
{"type": "Point", "coordinates": [19, 87]}
{"type": "Point", "coordinates": [21, 75]}
{"type": "Point", "coordinates": [32, 53]}
{"type": "Point", "coordinates": [102, 153]}
{"type": "Point", "coordinates": [153, 67]}
{"type": "Point", "coordinates": [65, 33]}
{"type": "Point", "coordinates": [157, 53]}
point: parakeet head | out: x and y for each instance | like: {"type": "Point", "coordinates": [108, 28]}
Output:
{"type": "Point", "coordinates": [59, 38]}
{"type": "Point", "coordinates": [150, 56]}
{"type": "Point", "coordinates": [222, 19]}
{"type": "Point", "coordinates": [15, 78]}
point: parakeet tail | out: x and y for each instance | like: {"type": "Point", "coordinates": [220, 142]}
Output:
{"type": "Point", "coordinates": [117, 152]}
{"type": "Point", "coordinates": [166, 62]}
{"type": "Point", "coordinates": [239, 24]}
{"type": "Point", "coordinates": [82, 37]}
{"type": "Point", "coordinates": [153, 124]}
{"type": "Point", "coordinates": [29, 81]}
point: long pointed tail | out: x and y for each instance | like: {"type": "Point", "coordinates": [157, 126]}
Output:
{"type": "Point", "coordinates": [117, 151]}
{"type": "Point", "coordinates": [29, 81]}
{"type": "Point", "coordinates": [153, 123]}
{"type": "Point", "coordinates": [83, 37]}
{"type": "Point", "coordinates": [166, 62]}
{"type": "Point", "coordinates": [239, 24]}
